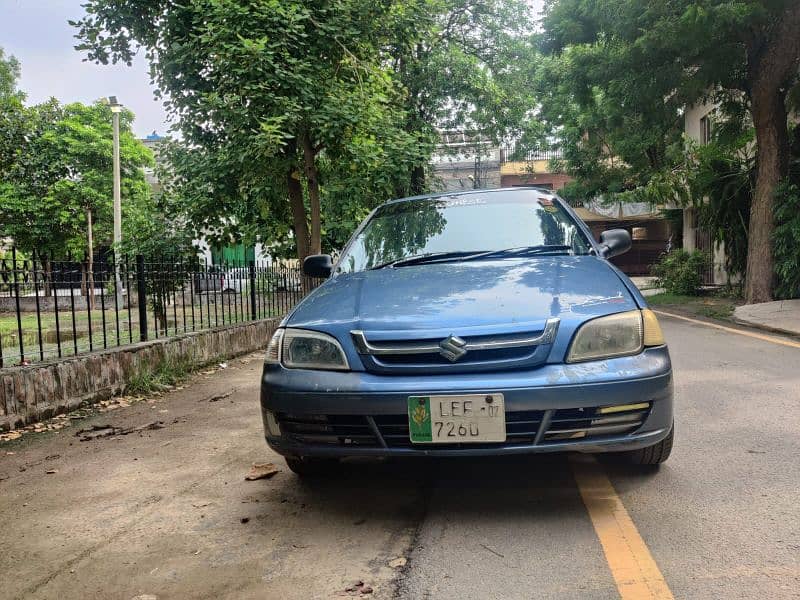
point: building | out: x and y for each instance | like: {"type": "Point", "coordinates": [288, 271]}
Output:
{"type": "Point", "coordinates": [651, 233]}
{"type": "Point", "coordinates": [535, 167]}
{"type": "Point", "coordinates": [153, 142]}
{"type": "Point", "coordinates": [698, 123]}
{"type": "Point", "coordinates": [465, 160]}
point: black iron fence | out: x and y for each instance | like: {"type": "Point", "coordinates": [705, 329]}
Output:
{"type": "Point", "coordinates": [513, 153]}
{"type": "Point", "coordinates": [56, 308]}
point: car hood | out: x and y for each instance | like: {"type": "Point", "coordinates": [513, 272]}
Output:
{"type": "Point", "coordinates": [468, 298]}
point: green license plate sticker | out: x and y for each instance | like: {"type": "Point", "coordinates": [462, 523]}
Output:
{"type": "Point", "coordinates": [419, 419]}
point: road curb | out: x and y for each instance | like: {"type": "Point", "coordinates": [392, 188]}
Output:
{"type": "Point", "coordinates": [769, 328]}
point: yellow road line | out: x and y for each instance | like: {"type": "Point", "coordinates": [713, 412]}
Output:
{"type": "Point", "coordinates": [758, 336]}
{"type": "Point", "coordinates": [635, 572]}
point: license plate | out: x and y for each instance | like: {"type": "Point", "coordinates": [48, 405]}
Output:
{"type": "Point", "coordinates": [463, 419]}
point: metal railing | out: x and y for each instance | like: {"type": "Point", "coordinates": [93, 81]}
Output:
{"type": "Point", "coordinates": [58, 308]}
{"type": "Point", "coordinates": [514, 153]}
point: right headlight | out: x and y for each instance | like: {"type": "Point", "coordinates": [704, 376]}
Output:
{"type": "Point", "coordinates": [305, 349]}
{"type": "Point", "coordinates": [621, 334]}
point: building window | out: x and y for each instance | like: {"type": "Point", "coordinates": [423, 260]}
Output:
{"type": "Point", "coordinates": [705, 129]}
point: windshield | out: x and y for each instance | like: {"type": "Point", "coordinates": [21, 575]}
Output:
{"type": "Point", "coordinates": [464, 225]}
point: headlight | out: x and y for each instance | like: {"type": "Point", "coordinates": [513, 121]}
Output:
{"type": "Point", "coordinates": [303, 349]}
{"type": "Point", "coordinates": [274, 348]}
{"type": "Point", "coordinates": [605, 337]}
{"type": "Point", "coordinates": [652, 330]}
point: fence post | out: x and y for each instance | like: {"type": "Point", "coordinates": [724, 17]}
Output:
{"type": "Point", "coordinates": [253, 309]}
{"type": "Point", "coordinates": [16, 298]}
{"type": "Point", "coordinates": [141, 285]}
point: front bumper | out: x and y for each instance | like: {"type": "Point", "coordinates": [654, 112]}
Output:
{"type": "Point", "coordinates": [646, 377]}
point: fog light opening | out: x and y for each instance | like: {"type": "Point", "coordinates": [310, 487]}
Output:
{"type": "Point", "coordinates": [606, 410]}
{"type": "Point", "coordinates": [273, 429]}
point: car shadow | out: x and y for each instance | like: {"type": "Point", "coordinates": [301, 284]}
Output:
{"type": "Point", "coordinates": [467, 487]}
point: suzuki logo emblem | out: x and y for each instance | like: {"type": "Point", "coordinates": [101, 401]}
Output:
{"type": "Point", "coordinates": [452, 348]}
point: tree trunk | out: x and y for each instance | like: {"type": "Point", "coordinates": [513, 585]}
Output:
{"type": "Point", "coordinates": [312, 180]}
{"type": "Point", "coordinates": [47, 267]}
{"type": "Point", "coordinates": [418, 180]}
{"type": "Point", "coordinates": [772, 164]}
{"type": "Point", "coordinates": [299, 223]}
{"type": "Point", "coordinates": [772, 62]}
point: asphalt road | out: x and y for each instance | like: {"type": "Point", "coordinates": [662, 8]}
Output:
{"type": "Point", "coordinates": [161, 512]}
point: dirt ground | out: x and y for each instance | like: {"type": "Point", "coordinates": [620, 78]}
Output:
{"type": "Point", "coordinates": [167, 512]}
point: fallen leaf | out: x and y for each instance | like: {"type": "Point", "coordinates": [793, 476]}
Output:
{"type": "Point", "coordinates": [261, 471]}
{"type": "Point", "coordinates": [359, 587]}
{"type": "Point", "coordinates": [245, 519]}
{"type": "Point", "coordinates": [98, 431]}
{"type": "Point", "coordinates": [51, 471]}
{"type": "Point", "coordinates": [219, 397]}
{"type": "Point", "coordinates": [223, 365]}
{"type": "Point", "coordinates": [398, 562]}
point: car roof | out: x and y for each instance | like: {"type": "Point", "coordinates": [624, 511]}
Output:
{"type": "Point", "coordinates": [452, 194]}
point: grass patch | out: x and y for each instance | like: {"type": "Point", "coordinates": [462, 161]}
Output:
{"type": "Point", "coordinates": [718, 311]}
{"type": "Point", "coordinates": [169, 373]}
{"type": "Point", "coordinates": [713, 305]}
{"type": "Point", "coordinates": [8, 323]}
{"type": "Point", "coordinates": [667, 298]}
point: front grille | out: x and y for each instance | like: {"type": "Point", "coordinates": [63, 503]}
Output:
{"type": "Point", "coordinates": [580, 423]}
{"type": "Point", "coordinates": [337, 430]}
{"type": "Point", "coordinates": [522, 427]}
{"type": "Point", "coordinates": [473, 353]}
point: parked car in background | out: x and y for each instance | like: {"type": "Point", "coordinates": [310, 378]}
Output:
{"type": "Point", "coordinates": [486, 322]}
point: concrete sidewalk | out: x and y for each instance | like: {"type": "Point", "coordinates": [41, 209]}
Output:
{"type": "Point", "coordinates": [647, 285]}
{"type": "Point", "coordinates": [782, 316]}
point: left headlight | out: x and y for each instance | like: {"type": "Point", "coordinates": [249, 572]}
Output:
{"type": "Point", "coordinates": [615, 335]}
{"type": "Point", "coordinates": [304, 349]}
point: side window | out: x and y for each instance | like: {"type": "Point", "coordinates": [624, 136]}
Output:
{"type": "Point", "coordinates": [705, 129]}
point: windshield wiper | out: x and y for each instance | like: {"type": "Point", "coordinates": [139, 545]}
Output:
{"type": "Point", "coordinates": [423, 258]}
{"type": "Point", "coordinates": [521, 251]}
{"type": "Point", "coordinates": [464, 255]}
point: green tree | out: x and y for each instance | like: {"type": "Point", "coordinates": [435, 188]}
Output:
{"type": "Point", "coordinates": [462, 64]}
{"type": "Point", "coordinates": [9, 76]}
{"type": "Point", "coordinates": [618, 74]}
{"type": "Point", "coordinates": [265, 92]}
{"type": "Point", "coordinates": [12, 128]}
{"type": "Point", "coordinates": [56, 194]}
{"type": "Point", "coordinates": [331, 104]}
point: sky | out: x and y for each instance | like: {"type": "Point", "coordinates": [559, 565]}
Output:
{"type": "Point", "coordinates": [38, 34]}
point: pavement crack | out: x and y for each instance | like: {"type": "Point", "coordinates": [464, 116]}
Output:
{"type": "Point", "coordinates": [495, 552]}
{"type": "Point", "coordinates": [419, 517]}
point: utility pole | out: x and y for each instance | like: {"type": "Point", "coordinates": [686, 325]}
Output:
{"type": "Point", "coordinates": [116, 108]}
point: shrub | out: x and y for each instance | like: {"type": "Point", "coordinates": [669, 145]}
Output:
{"type": "Point", "coordinates": [680, 272]}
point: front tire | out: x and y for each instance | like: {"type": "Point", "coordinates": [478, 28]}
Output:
{"type": "Point", "coordinates": [307, 466]}
{"type": "Point", "coordinates": [652, 455]}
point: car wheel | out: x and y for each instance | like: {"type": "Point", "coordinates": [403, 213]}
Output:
{"type": "Point", "coordinates": [306, 466]}
{"type": "Point", "coordinates": [652, 455]}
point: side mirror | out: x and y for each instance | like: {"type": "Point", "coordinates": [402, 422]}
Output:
{"type": "Point", "coordinates": [318, 265]}
{"type": "Point", "coordinates": [614, 242]}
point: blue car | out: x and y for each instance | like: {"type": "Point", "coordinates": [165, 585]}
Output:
{"type": "Point", "coordinates": [468, 324]}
